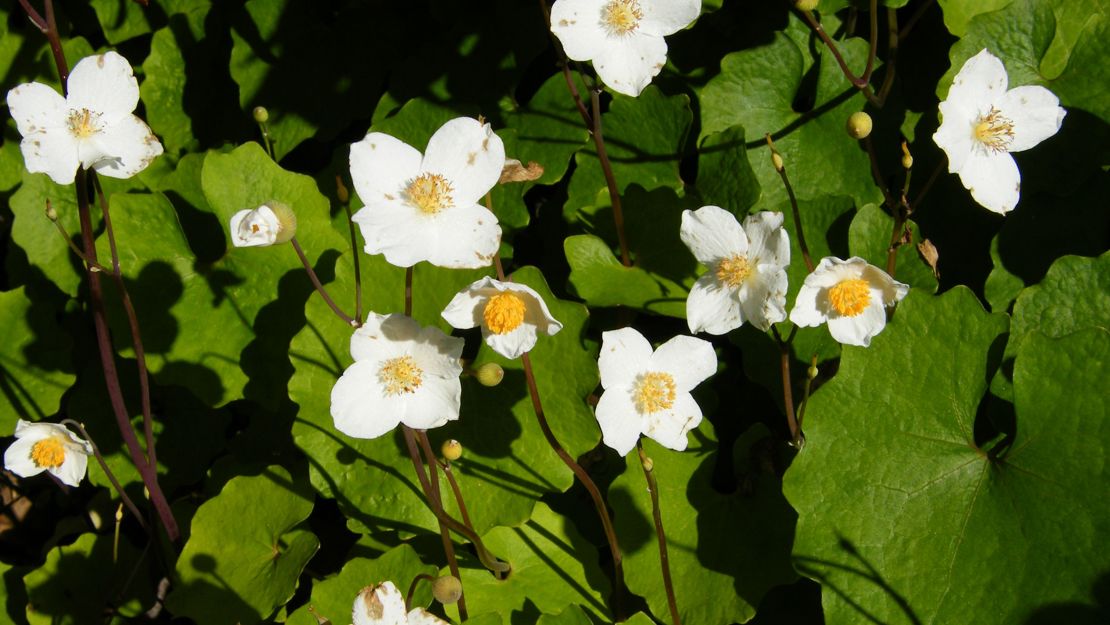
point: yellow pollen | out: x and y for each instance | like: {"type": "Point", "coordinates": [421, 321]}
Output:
{"type": "Point", "coordinates": [621, 17]}
{"type": "Point", "coordinates": [400, 375]}
{"type": "Point", "coordinates": [49, 453]}
{"type": "Point", "coordinates": [504, 313]}
{"type": "Point", "coordinates": [734, 270]}
{"type": "Point", "coordinates": [994, 130]}
{"type": "Point", "coordinates": [430, 193]}
{"type": "Point", "coordinates": [654, 391]}
{"type": "Point", "coordinates": [82, 123]}
{"type": "Point", "coordinates": [850, 297]}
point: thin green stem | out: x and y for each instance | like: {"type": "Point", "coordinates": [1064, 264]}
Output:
{"type": "Point", "coordinates": [780, 167]}
{"type": "Point", "coordinates": [657, 516]}
{"type": "Point", "coordinates": [89, 264]}
{"type": "Point", "coordinates": [412, 586]}
{"type": "Point", "coordinates": [320, 287]}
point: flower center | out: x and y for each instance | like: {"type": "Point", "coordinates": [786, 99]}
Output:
{"type": "Point", "coordinates": [994, 130]}
{"type": "Point", "coordinates": [49, 453]}
{"type": "Point", "coordinates": [621, 17]}
{"type": "Point", "coordinates": [430, 193]}
{"type": "Point", "coordinates": [654, 391]}
{"type": "Point", "coordinates": [734, 271]}
{"type": "Point", "coordinates": [850, 297]}
{"type": "Point", "coordinates": [83, 123]}
{"type": "Point", "coordinates": [504, 313]}
{"type": "Point", "coordinates": [400, 375]}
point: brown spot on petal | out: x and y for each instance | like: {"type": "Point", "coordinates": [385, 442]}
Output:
{"type": "Point", "coordinates": [470, 158]}
{"type": "Point", "coordinates": [100, 60]}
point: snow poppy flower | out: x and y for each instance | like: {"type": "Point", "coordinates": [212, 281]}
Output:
{"type": "Point", "coordinates": [92, 127]}
{"type": "Point", "coordinates": [384, 605]}
{"type": "Point", "coordinates": [746, 281]}
{"type": "Point", "coordinates": [648, 392]}
{"type": "Point", "coordinates": [266, 225]}
{"type": "Point", "coordinates": [425, 207]}
{"type": "Point", "coordinates": [47, 447]}
{"type": "Point", "coordinates": [851, 296]}
{"type": "Point", "coordinates": [623, 38]}
{"type": "Point", "coordinates": [511, 315]}
{"type": "Point", "coordinates": [402, 373]}
{"type": "Point", "coordinates": [982, 123]}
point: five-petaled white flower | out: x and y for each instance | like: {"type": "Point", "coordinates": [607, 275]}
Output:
{"type": "Point", "coordinates": [510, 314]}
{"type": "Point", "coordinates": [982, 123]}
{"type": "Point", "coordinates": [402, 374]}
{"type": "Point", "coordinates": [851, 295]}
{"type": "Point", "coordinates": [624, 38]}
{"type": "Point", "coordinates": [92, 127]}
{"type": "Point", "coordinates": [649, 393]}
{"type": "Point", "coordinates": [426, 207]}
{"type": "Point", "coordinates": [746, 281]}
{"type": "Point", "coordinates": [266, 225]}
{"type": "Point", "coordinates": [384, 605]}
{"type": "Point", "coordinates": [47, 447]}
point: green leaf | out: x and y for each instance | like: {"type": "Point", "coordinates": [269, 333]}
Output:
{"type": "Point", "coordinates": [45, 249]}
{"type": "Point", "coordinates": [1074, 295]}
{"type": "Point", "coordinates": [1002, 287]}
{"type": "Point", "coordinates": [163, 92]}
{"type": "Point", "coordinates": [35, 366]}
{"type": "Point", "coordinates": [869, 238]}
{"type": "Point", "coordinates": [549, 129]}
{"type": "Point", "coordinates": [903, 519]}
{"type": "Point", "coordinates": [333, 597]}
{"type": "Point", "coordinates": [725, 177]}
{"type": "Point", "coordinates": [736, 542]}
{"type": "Point", "coordinates": [600, 279]}
{"type": "Point", "coordinates": [958, 13]}
{"type": "Point", "coordinates": [553, 567]}
{"type": "Point", "coordinates": [243, 556]}
{"type": "Point", "coordinates": [573, 615]}
{"type": "Point", "coordinates": [757, 89]}
{"type": "Point", "coordinates": [121, 20]}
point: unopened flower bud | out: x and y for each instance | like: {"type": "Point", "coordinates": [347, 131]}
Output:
{"type": "Point", "coordinates": [859, 125]}
{"type": "Point", "coordinates": [341, 192]}
{"type": "Point", "coordinates": [776, 160]}
{"type": "Point", "coordinates": [647, 463]}
{"type": "Point", "coordinates": [451, 450]}
{"type": "Point", "coordinates": [271, 223]}
{"type": "Point", "coordinates": [805, 5]}
{"type": "Point", "coordinates": [907, 158]}
{"type": "Point", "coordinates": [261, 115]}
{"type": "Point", "coordinates": [51, 214]}
{"type": "Point", "coordinates": [811, 372]}
{"type": "Point", "coordinates": [489, 374]}
{"type": "Point", "coordinates": [447, 589]}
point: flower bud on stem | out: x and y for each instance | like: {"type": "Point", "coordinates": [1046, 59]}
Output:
{"type": "Point", "coordinates": [780, 167]}
{"type": "Point", "coordinates": [648, 465]}
{"type": "Point", "coordinates": [261, 116]}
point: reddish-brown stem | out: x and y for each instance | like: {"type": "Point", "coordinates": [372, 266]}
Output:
{"type": "Point", "coordinates": [873, 41]}
{"type": "Point", "coordinates": [412, 586]}
{"type": "Point", "coordinates": [859, 82]}
{"type": "Point", "coordinates": [610, 180]}
{"type": "Point", "coordinates": [780, 167]}
{"type": "Point", "coordinates": [648, 466]}
{"type": "Point", "coordinates": [38, 20]}
{"type": "Point", "coordinates": [55, 41]}
{"type": "Point", "coordinates": [408, 291]}
{"type": "Point", "coordinates": [444, 533]}
{"type": "Point", "coordinates": [787, 385]}
{"type": "Point", "coordinates": [320, 287]}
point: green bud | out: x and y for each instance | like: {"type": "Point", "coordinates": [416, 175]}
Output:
{"type": "Point", "coordinates": [451, 450]}
{"type": "Point", "coordinates": [648, 464]}
{"type": "Point", "coordinates": [51, 214]}
{"type": "Point", "coordinates": [805, 5]}
{"type": "Point", "coordinates": [811, 372]}
{"type": "Point", "coordinates": [776, 160]}
{"type": "Point", "coordinates": [859, 125]}
{"type": "Point", "coordinates": [907, 158]}
{"type": "Point", "coordinates": [447, 589]}
{"type": "Point", "coordinates": [489, 374]}
{"type": "Point", "coordinates": [341, 191]}
{"type": "Point", "coordinates": [261, 115]}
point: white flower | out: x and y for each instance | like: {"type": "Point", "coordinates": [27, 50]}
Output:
{"type": "Point", "coordinates": [982, 123]}
{"type": "Point", "coordinates": [426, 207]}
{"type": "Point", "coordinates": [624, 38]}
{"type": "Point", "coordinates": [510, 315]}
{"type": "Point", "coordinates": [92, 127]}
{"type": "Point", "coordinates": [266, 225]}
{"type": "Point", "coordinates": [47, 447]}
{"type": "Point", "coordinates": [851, 295]}
{"type": "Point", "coordinates": [384, 605]}
{"type": "Point", "coordinates": [649, 393]}
{"type": "Point", "coordinates": [402, 373]}
{"type": "Point", "coordinates": [746, 280]}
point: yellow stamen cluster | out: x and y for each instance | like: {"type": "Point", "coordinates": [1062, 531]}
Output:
{"type": "Point", "coordinates": [400, 375]}
{"type": "Point", "coordinates": [850, 297]}
{"type": "Point", "coordinates": [504, 313]}
{"type": "Point", "coordinates": [654, 391]}
{"type": "Point", "coordinates": [430, 193]}
{"type": "Point", "coordinates": [734, 271]}
{"type": "Point", "coordinates": [994, 130]}
{"type": "Point", "coordinates": [49, 453]}
{"type": "Point", "coordinates": [621, 17]}
{"type": "Point", "coordinates": [82, 123]}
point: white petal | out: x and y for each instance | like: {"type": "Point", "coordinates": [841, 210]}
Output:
{"type": "Point", "coordinates": [993, 180]}
{"type": "Point", "coordinates": [858, 330]}
{"type": "Point", "coordinates": [254, 227]}
{"type": "Point", "coordinates": [620, 424]}
{"type": "Point", "coordinates": [886, 288]}
{"type": "Point", "coordinates": [467, 308]}
{"type": "Point", "coordinates": [433, 404]}
{"type": "Point", "coordinates": [378, 337]}
{"type": "Point", "coordinates": [577, 24]}
{"type": "Point", "coordinates": [396, 230]}
{"type": "Point", "coordinates": [72, 470]}
{"type": "Point", "coordinates": [712, 308]}
{"type": "Point", "coordinates": [665, 17]}
{"type": "Point", "coordinates": [37, 107]}
{"type": "Point", "coordinates": [712, 233]}
{"type": "Point", "coordinates": [687, 359]}
{"type": "Point", "coordinates": [469, 155]}
{"type": "Point", "coordinates": [1035, 113]}
{"type": "Point", "coordinates": [382, 166]}
{"type": "Point", "coordinates": [52, 153]}
{"type": "Point", "coordinates": [512, 344]}
{"type": "Point", "coordinates": [17, 458]}
{"type": "Point", "coordinates": [359, 407]}
{"type": "Point", "coordinates": [537, 312]}
{"type": "Point", "coordinates": [628, 64]}
{"type": "Point", "coordinates": [806, 312]}
{"type": "Point", "coordinates": [979, 83]}
{"type": "Point", "coordinates": [955, 134]}
{"type": "Point", "coordinates": [420, 616]}
{"type": "Point", "coordinates": [463, 237]}
{"type": "Point", "coordinates": [104, 84]}
{"type": "Point", "coordinates": [669, 427]}
{"type": "Point", "coordinates": [763, 297]}
{"type": "Point", "coordinates": [624, 354]}
{"type": "Point", "coordinates": [121, 149]}
{"type": "Point", "coordinates": [379, 605]}
{"type": "Point", "coordinates": [437, 353]}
